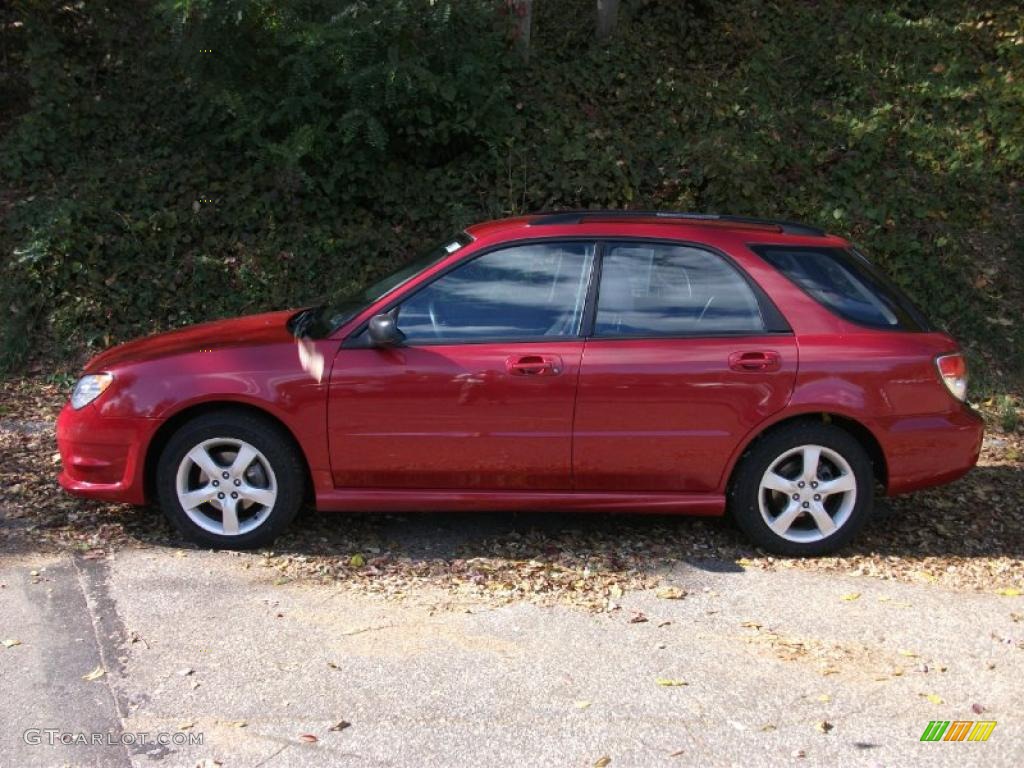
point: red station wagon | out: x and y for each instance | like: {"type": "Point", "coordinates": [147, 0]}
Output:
{"type": "Point", "coordinates": [648, 362]}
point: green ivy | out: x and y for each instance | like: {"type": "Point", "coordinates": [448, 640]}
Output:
{"type": "Point", "coordinates": [176, 161]}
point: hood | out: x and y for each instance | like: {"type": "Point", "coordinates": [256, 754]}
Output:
{"type": "Point", "coordinates": [267, 328]}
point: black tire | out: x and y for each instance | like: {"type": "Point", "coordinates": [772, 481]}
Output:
{"type": "Point", "coordinates": [744, 503]}
{"type": "Point", "coordinates": [279, 451]}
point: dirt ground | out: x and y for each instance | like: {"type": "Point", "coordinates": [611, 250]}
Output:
{"type": "Point", "coordinates": [968, 536]}
{"type": "Point", "coordinates": [500, 639]}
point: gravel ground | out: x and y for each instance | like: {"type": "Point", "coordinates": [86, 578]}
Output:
{"type": "Point", "coordinates": [966, 536]}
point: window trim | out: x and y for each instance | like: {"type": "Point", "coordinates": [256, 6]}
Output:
{"type": "Point", "coordinates": [776, 323]}
{"type": "Point", "coordinates": [874, 273]}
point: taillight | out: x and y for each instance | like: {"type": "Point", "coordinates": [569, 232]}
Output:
{"type": "Point", "coordinates": [953, 371]}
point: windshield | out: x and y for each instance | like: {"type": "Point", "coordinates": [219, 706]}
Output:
{"type": "Point", "coordinates": [323, 320]}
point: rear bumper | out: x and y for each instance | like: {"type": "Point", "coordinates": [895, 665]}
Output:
{"type": "Point", "coordinates": [103, 457]}
{"type": "Point", "coordinates": [925, 451]}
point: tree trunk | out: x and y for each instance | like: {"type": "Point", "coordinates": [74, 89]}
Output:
{"type": "Point", "coordinates": [522, 15]}
{"type": "Point", "coordinates": [607, 18]}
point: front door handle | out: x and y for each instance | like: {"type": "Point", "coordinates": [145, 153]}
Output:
{"type": "Point", "coordinates": [534, 365]}
{"type": "Point", "coordinates": [752, 362]}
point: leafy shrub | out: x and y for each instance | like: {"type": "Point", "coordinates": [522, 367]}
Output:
{"type": "Point", "coordinates": [330, 89]}
{"type": "Point", "coordinates": [147, 184]}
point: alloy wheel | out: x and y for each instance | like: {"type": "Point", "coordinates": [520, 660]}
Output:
{"type": "Point", "coordinates": [226, 486]}
{"type": "Point", "coordinates": [807, 494]}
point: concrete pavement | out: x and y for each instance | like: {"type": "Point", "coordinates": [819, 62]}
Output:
{"type": "Point", "coordinates": [750, 668]}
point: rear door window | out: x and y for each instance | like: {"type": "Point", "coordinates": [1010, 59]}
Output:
{"type": "Point", "coordinates": [847, 284]}
{"type": "Point", "coordinates": [661, 289]}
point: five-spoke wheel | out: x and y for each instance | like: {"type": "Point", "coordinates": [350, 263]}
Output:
{"type": "Point", "coordinates": [804, 489]}
{"type": "Point", "coordinates": [230, 479]}
{"type": "Point", "coordinates": [807, 494]}
{"type": "Point", "coordinates": [226, 486]}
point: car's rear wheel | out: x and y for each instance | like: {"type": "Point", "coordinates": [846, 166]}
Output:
{"type": "Point", "coordinates": [806, 489]}
{"type": "Point", "coordinates": [230, 480]}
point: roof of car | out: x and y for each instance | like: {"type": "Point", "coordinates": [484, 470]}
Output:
{"type": "Point", "coordinates": [538, 221]}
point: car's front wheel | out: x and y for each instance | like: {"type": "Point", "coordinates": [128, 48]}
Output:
{"type": "Point", "coordinates": [230, 480]}
{"type": "Point", "coordinates": [806, 489]}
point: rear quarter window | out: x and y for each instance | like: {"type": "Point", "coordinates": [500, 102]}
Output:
{"type": "Point", "coordinates": [847, 284]}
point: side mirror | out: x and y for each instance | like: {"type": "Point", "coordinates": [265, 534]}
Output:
{"type": "Point", "coordinates": [383, 331]}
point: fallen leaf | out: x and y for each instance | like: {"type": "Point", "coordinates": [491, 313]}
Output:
{"type": "Point", "coordinates": [638, 618]}
{"type": "Point", "coordinates": [601, 762]}
{"type": "Point", "coordinates": [851, 596]}
{"type": "Point", "coordinates": [1009, 592]}
{"type": "Point", "coordinates": [309, 738]}
{"type": "Point", "coordinates": [671, 593]}
{"type": "Point", "coordinates": [341, 725]}
{"type": "Point", "coordinates": [934, 698]}
{"type": "Point", "coordinates": [908, 654]}
{"type": "Point", "coordinates": [357, 561]}
{"type": "Point", "coordinates": [186, 671]}
{"type": "Point", "coordinates": [824, 726]}
{"type": "Point", "coordinates": [187, 726]}
{"type": "Point", "coordinates": [825, 698]}
{"type": "Point", "coordinates": [798, 753]}
{"type": "Point", "coordinates": [768, 728]}
{"type": "Point", "coordinates": [670, 683]}
{"type": "Point", "coordinates": [582, 704]}
{"type": "Point", "coordinates": [751, 624]}
{"type": "Point", "coordinates": [10, 642]}
{"type": "Point", "coordinates": [96, 674]}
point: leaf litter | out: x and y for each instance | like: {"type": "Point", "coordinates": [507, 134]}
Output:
{"type": "Point", "coordinates": [957, 537]}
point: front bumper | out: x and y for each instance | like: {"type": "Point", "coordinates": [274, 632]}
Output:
{"type": "Point", "coordinates": [103, 457]}
{"type": "Point", "coordinates": [926, 451]}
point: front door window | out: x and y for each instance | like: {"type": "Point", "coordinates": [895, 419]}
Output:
{"type": "Point", "coordinates": [526, 292]}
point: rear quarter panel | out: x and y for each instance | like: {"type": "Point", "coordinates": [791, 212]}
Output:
{"type": "Point", "coordinates": [888, 382]}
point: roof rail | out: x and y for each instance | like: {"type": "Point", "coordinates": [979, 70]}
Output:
{"type": "Point", "coordinates": [552, 218]}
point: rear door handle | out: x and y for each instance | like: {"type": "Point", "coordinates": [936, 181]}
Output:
{"type": "Point", "coordinates": [751, 362]}
{"type": "Point", "coordinates": [534, 365]}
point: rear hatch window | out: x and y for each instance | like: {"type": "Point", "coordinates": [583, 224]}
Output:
{"type": "Point", "coordinates": [847, 284]}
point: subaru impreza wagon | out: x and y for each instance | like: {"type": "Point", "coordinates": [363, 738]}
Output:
{"type": "Point", "coordinates": [607, 361]}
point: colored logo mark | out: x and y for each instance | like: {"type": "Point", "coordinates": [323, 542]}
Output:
{"type": "Point", "coordinates": [958, 730]}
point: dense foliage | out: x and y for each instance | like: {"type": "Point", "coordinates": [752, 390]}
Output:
{"type": "Point", "coordinates": [166, 163]}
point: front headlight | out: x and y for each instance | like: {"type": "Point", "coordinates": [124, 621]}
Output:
{"type": "Point", "coordinates": [88, 388]}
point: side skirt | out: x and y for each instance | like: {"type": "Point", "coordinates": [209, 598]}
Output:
{"type": "Point", "coordinates": [414, 500]}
